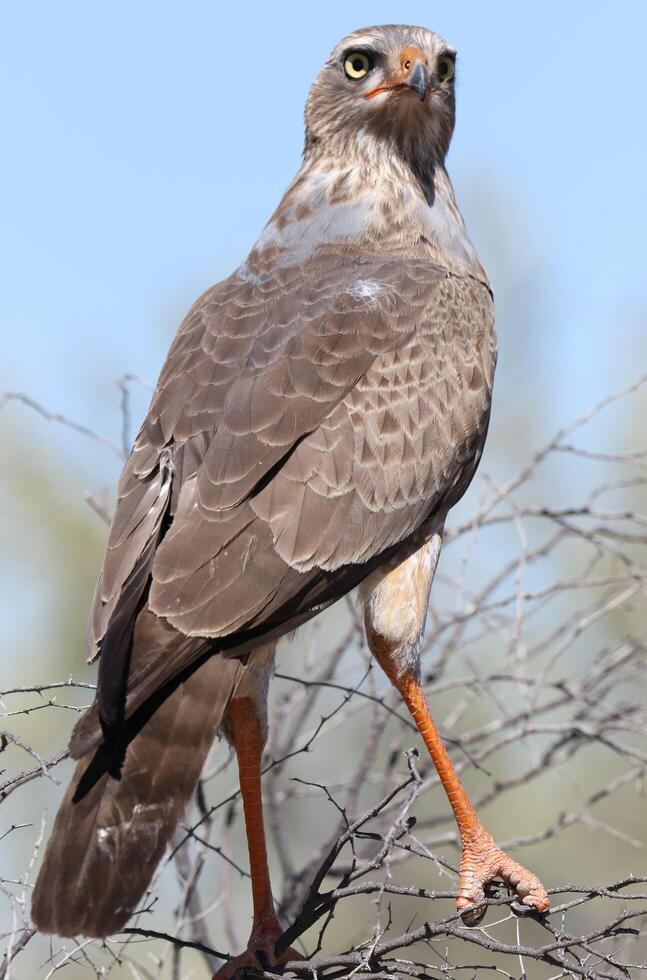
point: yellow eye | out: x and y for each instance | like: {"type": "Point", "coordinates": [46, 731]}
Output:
{"type": "Point", "coordinates": [446, 68]}
{"type": "Point", "coordinates": [357, 64]}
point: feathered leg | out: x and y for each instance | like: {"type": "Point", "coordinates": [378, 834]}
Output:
{"type": "Point", "coordinates": [395, 611]}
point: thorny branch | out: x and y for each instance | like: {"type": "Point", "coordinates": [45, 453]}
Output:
{"type": "Point", "coordinates": [535, 668]}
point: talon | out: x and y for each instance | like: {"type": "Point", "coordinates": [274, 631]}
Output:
{"type": "Point", "coordinates": [482, 862]}
{"type": "Point", "coordinates": [521, 909]}
{"type": "Point", "coordinates": [259, 953]}
{"type": "Point", "coordinates": [472, 915]}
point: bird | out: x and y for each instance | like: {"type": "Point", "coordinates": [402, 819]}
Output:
{"type": "Point", "coordinates": [318, 415]}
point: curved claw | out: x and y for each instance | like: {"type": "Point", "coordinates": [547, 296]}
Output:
{"type": "Point", "coordinates": [482, 861]}
{"type": "Point", "coordinates": [522, 910]}
{"type": "Point", "coordinates": [472, 914]}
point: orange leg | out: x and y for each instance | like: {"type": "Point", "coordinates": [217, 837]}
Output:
{"type": "Point", "coordinates": [395, 615]}
{"type": "Point", "coordinates": [247, 734]}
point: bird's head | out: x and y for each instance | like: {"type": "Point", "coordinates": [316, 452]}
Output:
{"type": "Point", "coordinates": [392, 84]}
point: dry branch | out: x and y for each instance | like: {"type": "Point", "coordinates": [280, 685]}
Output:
{"type": "Point", "coordinates": [536, 664]}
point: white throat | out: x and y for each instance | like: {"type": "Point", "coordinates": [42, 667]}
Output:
{"type": "Point", "coordinates": [379, 205]}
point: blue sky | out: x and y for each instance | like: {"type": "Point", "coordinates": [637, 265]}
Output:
{"type": "Point", "coordinates": [146, 142]}
{"type": "Point", "coordinates": [145, 145]}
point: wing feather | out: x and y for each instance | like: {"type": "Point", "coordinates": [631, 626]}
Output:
{"type": "Point", "coordinates": [300, 429]}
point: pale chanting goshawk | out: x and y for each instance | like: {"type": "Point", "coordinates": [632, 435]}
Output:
{"type": "Point", "coordinates": [318, 414]}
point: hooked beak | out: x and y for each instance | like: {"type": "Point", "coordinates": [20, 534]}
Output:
{"type": "Point", "coordinates": [418, 80]}
{"type": "Point", "coordinates": [413, 75]}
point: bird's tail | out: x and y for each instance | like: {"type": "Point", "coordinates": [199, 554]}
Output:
{"type": "Point", "coordinates": [117, 819]}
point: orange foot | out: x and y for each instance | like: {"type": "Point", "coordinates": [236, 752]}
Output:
{"type": "Point", "coordinates": [482, 861]}
{"type": "Point", "coordinates": [259, 953]}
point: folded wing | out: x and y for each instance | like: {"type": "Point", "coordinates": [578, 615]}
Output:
{"type": "Point", "coordinates": [308, 419]}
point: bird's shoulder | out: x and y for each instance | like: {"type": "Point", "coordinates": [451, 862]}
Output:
{"type": "Point", "coordinates": [402, 444]}
{"type": "Point", "coordinates": [303, 329]}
